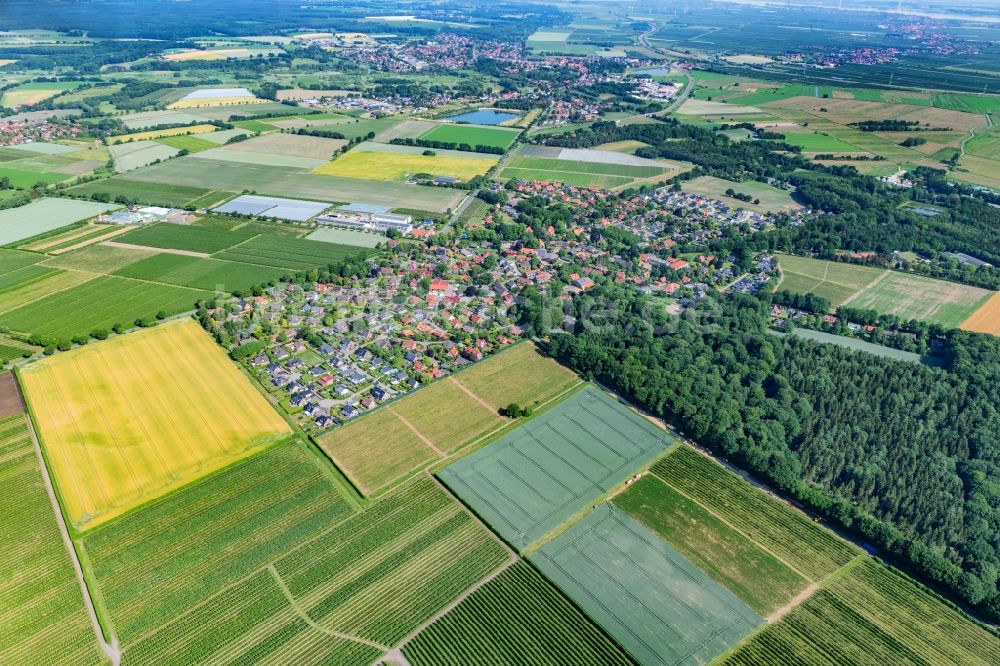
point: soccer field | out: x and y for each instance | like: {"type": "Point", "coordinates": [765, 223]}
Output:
{"type": "Point", "coordinates": [531, 480]}
{"type": "Point", "coordinates": [656, 604]}
{"type": "Point", "coordinates": [130, 419]}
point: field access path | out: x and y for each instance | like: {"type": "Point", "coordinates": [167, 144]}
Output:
{"type": "Point", "coordinates": [112, 649]}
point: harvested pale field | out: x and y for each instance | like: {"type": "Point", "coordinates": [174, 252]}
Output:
{"type": "Point", "coordinates": [700, 107]}
{"type": "Point", "coordinates": [295, 145]}
{"type": "Point", "coordinates": [748, 59]}
{"type": "Point", "coordinates": [156, 134]}
{"type": "Point", "coordinates": [986, 319]}
{"type": "Point", "coordinates": [520, 375]}
{"type": "Point", "coordinates": [374, 451]}
{"type": "Point", "coordinates": [132, 418]}
{"type": "Point", "coordinates": [846, 111]}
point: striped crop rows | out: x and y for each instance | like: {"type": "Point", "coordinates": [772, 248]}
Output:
{"type": "Point", "coordinates": [386, 570]}
{"type": "Point", "coordinates": [42, 616]}
{"type": "Point", "coordinates": [872, 615]}
{"type": "Point", "coordinates": [809, 548]}
{"type": "Point", "coordinates": [160, 561]}
{"type": "Point", "coordinates": [266, 563]}
{"type": "Point", "coordinates": [516, 618]}
{"type": "Point", "coordinates": [249, 623]}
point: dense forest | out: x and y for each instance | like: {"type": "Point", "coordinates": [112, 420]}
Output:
{"type": "Point", "coordinates": [905, 456]}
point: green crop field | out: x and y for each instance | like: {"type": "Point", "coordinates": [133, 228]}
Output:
{"type": "Point", "coordinates": [340, 236]}
{"type": "Point", "coordinates": [261, 554]}
{"type": "Point", "coordinates": [917, 297]}
{"type": "Point", "coordinates": [969, 103]}
{"type": "Point", "coordinates": [516, 618]}
{"type": "Point", "coordinates": [771, 198]}
{"type": "Point", "coordinates": [22, 277]}
{"type": "Point", "coordinates": [189, 238]}
{"type": "Point", "coordinates": [24, 179]}
{"type": "Point", "coordinates": [810, 549]}
{"type": "Point", "coordinates": [98, 258]}
{"type": "Point", "coordinates": [472, 135]}
{"type": "Point", "coordinates": [12, 260]}
{"type": "Point", "coordinates": [887, 292]}
{"type": "Point", "coordinates": [99, 303]}
{"type": "Point", "coordinates": [835, 281]}
{"type": "Point", "coordinates": [531, 480]}
{"type": "Point", "coordinates": [865, 346]}
{"type": "Point", "coordinates": [819, 143]}
{"type": "Point", "coordinates": [759, 579]}
{"type": "Point", "coordinates": [45, 215]}
{"type": "Point", "coordinates": [294, 254]}
{"type": "Point", "coordinates": [11, 350]}
{"type": "Point", "coordinates": [871, 616]}
{"type": "Point", "coordinates": [192, 144]}
{"type": "Point", "coordinates": [211, 274]}
{"type": "Point", "coordinates": [44, 619]}
{"type": "Point", "coordinates": [656, 604]}
{"type": "Point", "coordinates": [152, 193]}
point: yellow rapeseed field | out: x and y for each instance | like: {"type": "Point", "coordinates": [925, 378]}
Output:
{"type": "Point", "coordinates": [399, 166]}
{"type": "Point", "coordinates": [132, 418]}
{"type": "Point", "coordinates": [159, 134]}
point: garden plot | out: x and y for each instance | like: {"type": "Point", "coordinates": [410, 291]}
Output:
{"type": "Point", "coordinates": [661, 608]}
{"type": "Point", "coordinates": [533, 479]}
{"type": "Point", "coordinates": [285, 209]}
